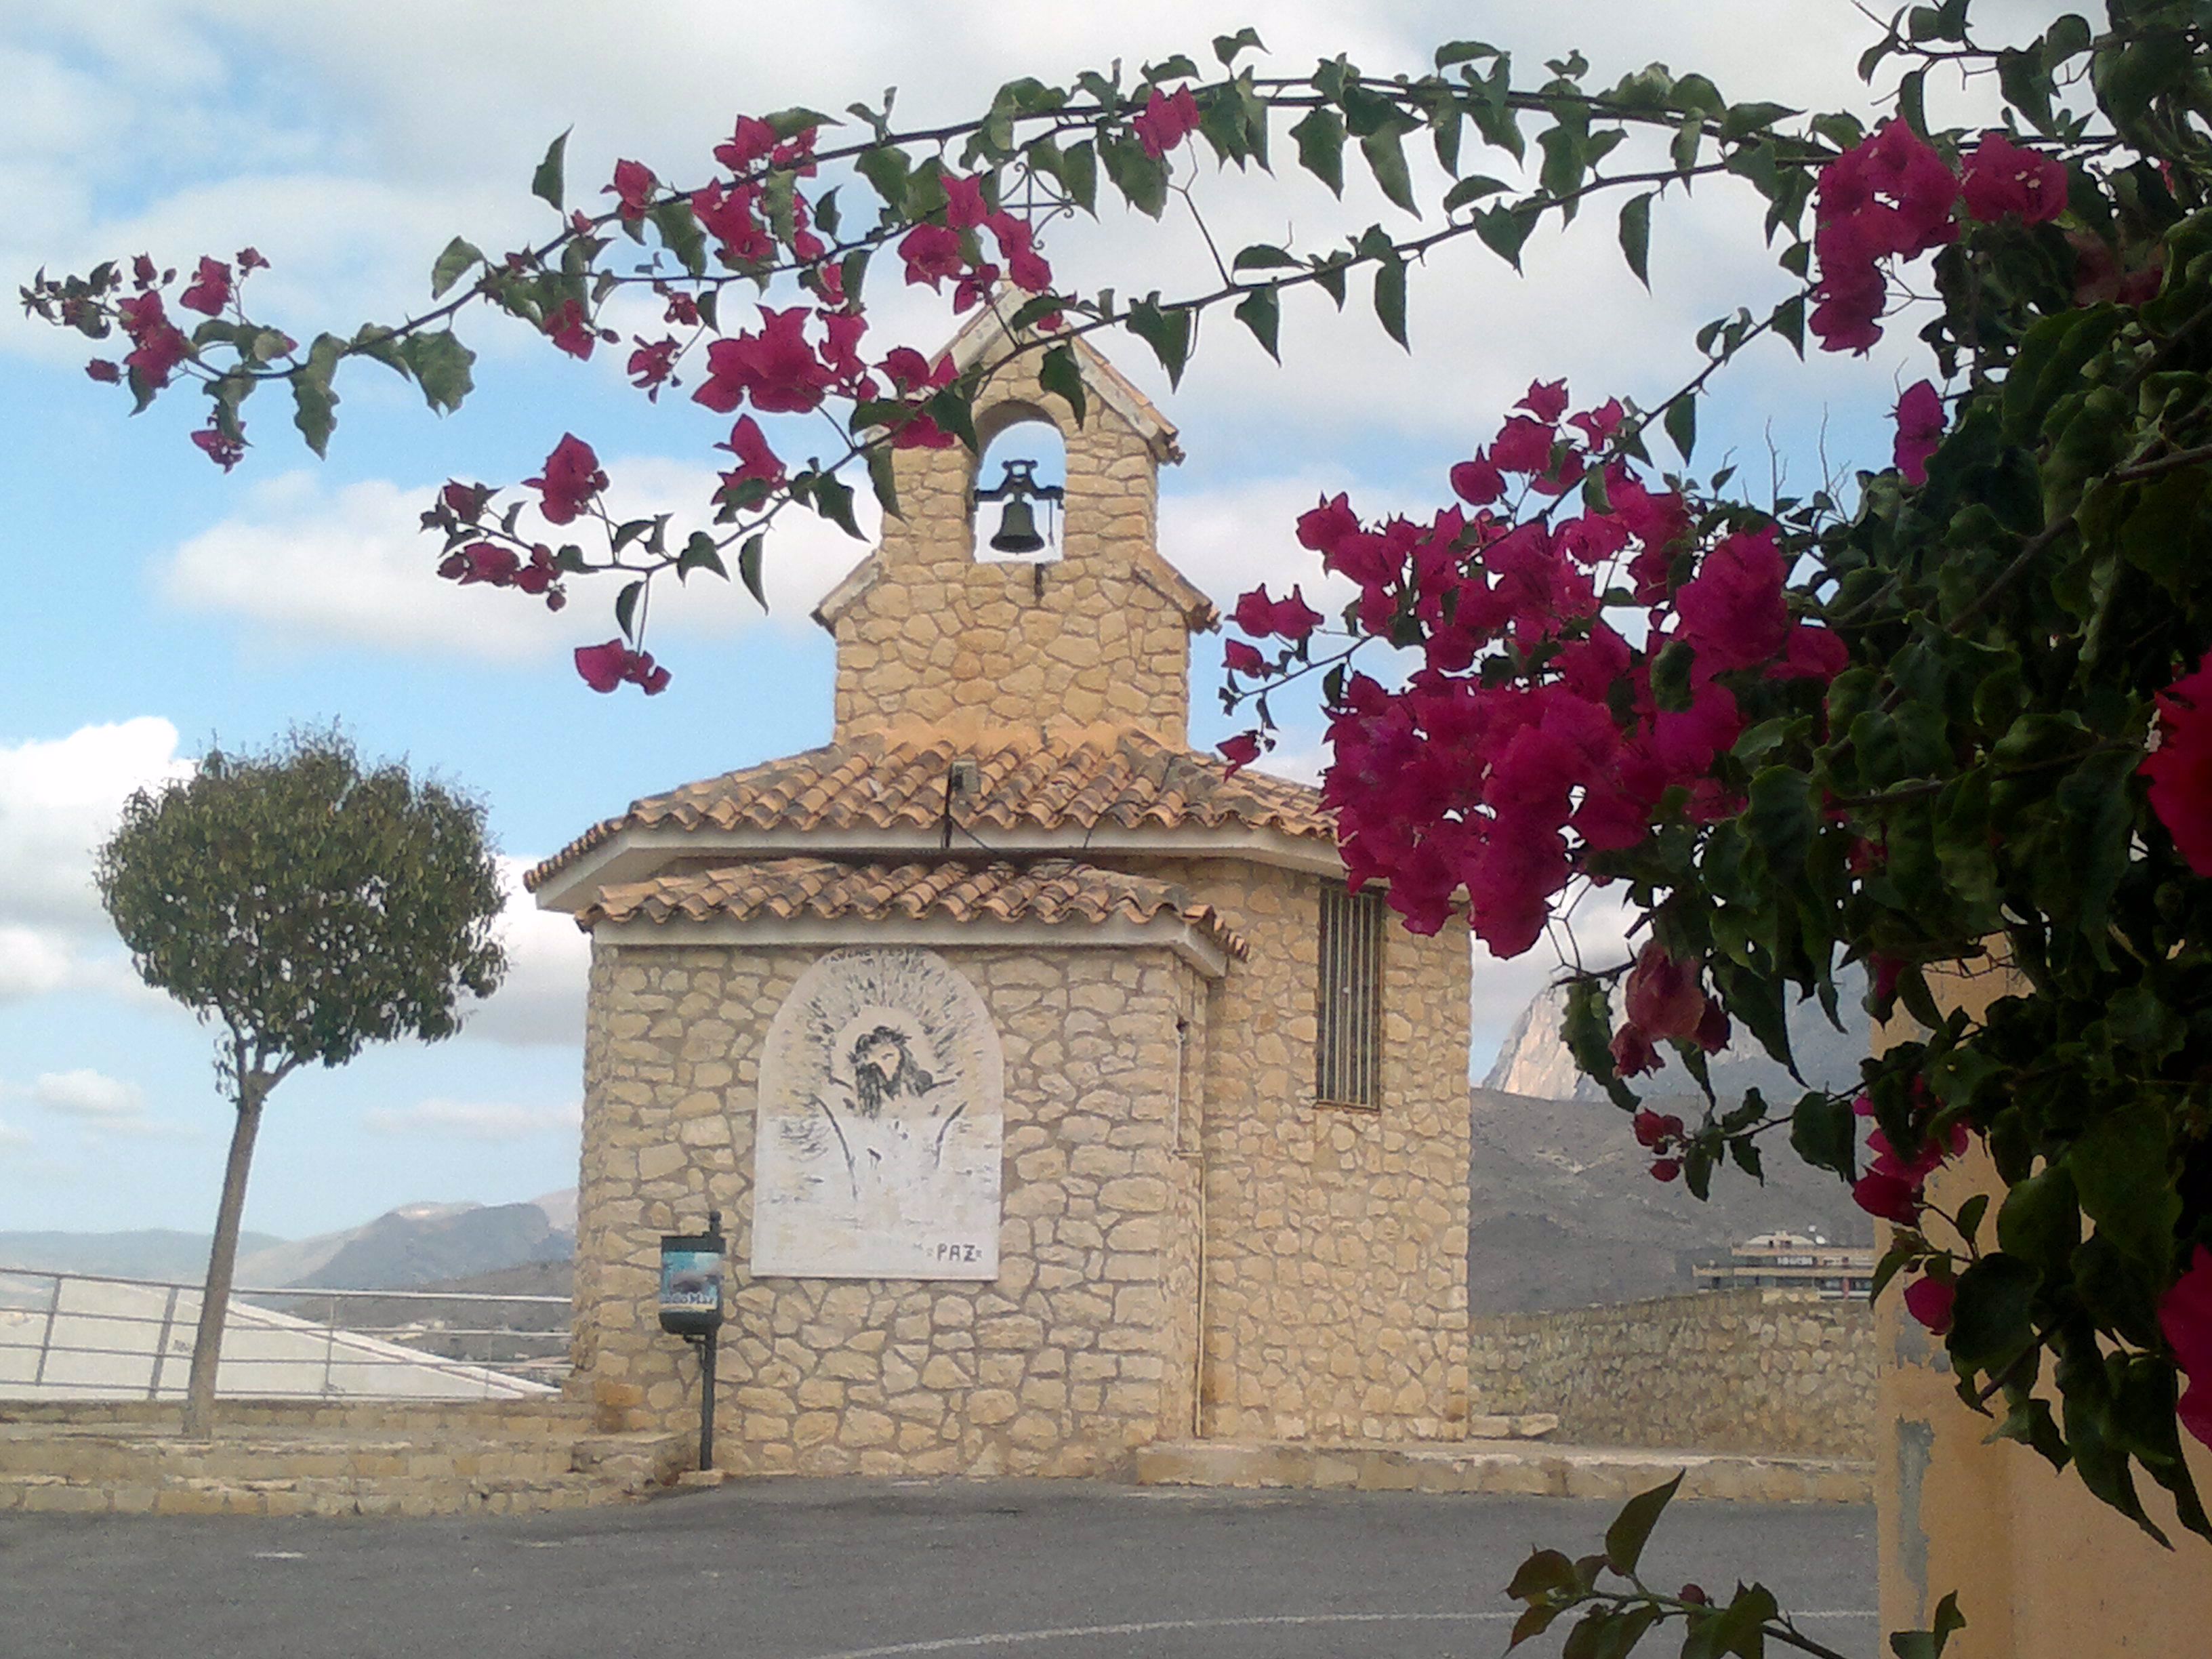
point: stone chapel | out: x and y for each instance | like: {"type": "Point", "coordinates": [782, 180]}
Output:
{"type": "Point", "coordinates": [1057, 1095]}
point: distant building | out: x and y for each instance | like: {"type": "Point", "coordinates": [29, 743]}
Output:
{"type": "Point", "coordinates": [1791, 1261]}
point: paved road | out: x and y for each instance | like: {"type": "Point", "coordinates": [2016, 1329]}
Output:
{"type": "Point", "coordinates": [881, 1570]}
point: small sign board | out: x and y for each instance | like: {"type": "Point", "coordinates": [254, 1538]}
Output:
{"type": "Point", "coordinates": [691, 1283]}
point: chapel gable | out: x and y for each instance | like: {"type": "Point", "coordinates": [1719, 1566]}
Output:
{"type": "Point", "coordinates": [934, 631]}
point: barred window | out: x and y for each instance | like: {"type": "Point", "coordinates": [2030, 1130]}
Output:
{"type": "Point", "coordinates": [1348, 1052]}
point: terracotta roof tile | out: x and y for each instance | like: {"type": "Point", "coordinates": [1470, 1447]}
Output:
{"type": "Point", "coordinates": [1050, 890]}
{"type": "Point", "coordinates": [1024, 780]}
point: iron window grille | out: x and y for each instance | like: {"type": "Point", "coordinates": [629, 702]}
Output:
{"type": "Point", "coordinates": [1348, 1051]}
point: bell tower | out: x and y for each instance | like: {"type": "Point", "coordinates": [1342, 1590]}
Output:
{"type": "Point", "coordinates": [934, 632]}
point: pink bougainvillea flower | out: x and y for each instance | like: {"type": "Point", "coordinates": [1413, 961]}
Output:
{"type": "Point", "coordinates": [158, 345]}
{"type": "Point", "coordinates": [652, 364]}
{"type": "Point", "coordinates": [1166, 121]}
{"type": "Point", "coordinates": [224, 450]}
{"type": "Point", "coordinates": [1732, 612]}
{"type": "Point", "coordinates": [727, 217]}
{"type": "Point", "coordinates": [632, 190]}
{"type": "Point", "coordinates": [1920, 430]}
{"type": "Point", "coordinates": [568, 328]}
{"type": "Point", "coordinates": [753, 140]}
{"type": "Point", "coordinates": [209, 291]}
{"type": "Point", "coordinates": [2000, 177]}
{"type": "Point", "coordinates": [1240, 658]}
{"type": "Point", "coordinates": [2180, 767]}
{"type": "Point", "coordinates": [1477, 481]}
{"type": "Point", "coordinates": [756, 460]}
{"type": "Point", "coordinates": [1240, 751]}
{"type": "Point", "coordinates": [1025, 268]}
{"type": "Point", "coordinates": [250, 260]}
{"type": "Point", "coordinates": [1890, 1197]}
{"type": "Point", "coordinates": [1930, 1299]}
{"type": "Point", "coordinates": [1662, 997]}
{"type": "Point", "coordinates": [776, 369]}
{"type": "Point", "coordinates": [1546, 400]}
{"type": "Point", "coordinates": [1290, 618]}
{"type": "Point", "coordinates": [964, 202]}
{"type": "Point", "coordinates": [1521, 445]}
{"type": "Point", "coordinates": [1633, 1054]}
{"type": "Point", "coordinates": [2184, 1315]}
{"type": "Point", "coordinates": [1666, 1169]}
{"type": "Point", "coordinates": [932, 253]}
{"type": "Point", "coordinates": [106, 372]}
{"type": "Point", "coordinates": [1713, 1031]}
{"type": "Point", "coordinates": [571, 478]}
{"type": "Point", "coordinates": [601, 666]}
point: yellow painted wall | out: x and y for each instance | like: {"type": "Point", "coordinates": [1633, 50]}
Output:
{"type": "Point", "coordinates": [2042, 1569]}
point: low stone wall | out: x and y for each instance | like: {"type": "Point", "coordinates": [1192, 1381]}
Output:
{"type": "Point", "coordinates": [1759, 1371]}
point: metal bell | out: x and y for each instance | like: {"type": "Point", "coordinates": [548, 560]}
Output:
{"type": "Point", "coordinates": [1018, 531]}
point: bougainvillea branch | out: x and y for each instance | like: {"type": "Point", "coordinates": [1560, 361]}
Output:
{"type": "Point", "coordinates": [1954, 713]}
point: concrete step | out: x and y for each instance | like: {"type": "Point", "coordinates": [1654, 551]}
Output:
{"type": "Point", "coordinates": [109, 1468]}
{"type": "Point", "coordinates": [1508, 1466]}
{"type": "Point", "coordinates": [489, 1419]}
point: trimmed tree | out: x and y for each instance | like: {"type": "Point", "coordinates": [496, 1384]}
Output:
{"type": "Point", "coordinates": [308, 906]}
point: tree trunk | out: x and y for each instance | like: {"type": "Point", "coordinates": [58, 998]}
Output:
{"type": "Point", "coordinates": [222, 1258]}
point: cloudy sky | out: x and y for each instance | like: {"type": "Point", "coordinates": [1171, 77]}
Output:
{"type": "Point", "coordinates": [158, 604]}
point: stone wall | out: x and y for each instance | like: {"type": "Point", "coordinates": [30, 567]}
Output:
{"type": "Point", "coordinates": [935, 637]}
{"type": "Point", "coordinates": [1082, 1348]}
{"type": "Point", "coordinates": [1755, 1371]}
{"type": "Point", "coordinates": [1335, 1298]}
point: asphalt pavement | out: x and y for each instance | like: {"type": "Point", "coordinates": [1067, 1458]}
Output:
{"type": "Point", "coordinates": [883, 1570]}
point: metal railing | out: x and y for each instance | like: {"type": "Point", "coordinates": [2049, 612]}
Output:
{"type": "Point", "coordinates": [68, 1335]}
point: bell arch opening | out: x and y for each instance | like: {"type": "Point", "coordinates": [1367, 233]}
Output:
{"type": "Point", "coordinates": [1018, 489]}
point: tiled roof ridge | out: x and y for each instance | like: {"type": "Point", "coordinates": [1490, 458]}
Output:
{"type": "Point", "coordinates": [1051, 890]}
{"type": "Point", "coordinates": [1031, 777]}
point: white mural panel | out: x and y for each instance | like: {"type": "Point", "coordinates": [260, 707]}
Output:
{"type": "Point", "coordinates": [881, 1116]}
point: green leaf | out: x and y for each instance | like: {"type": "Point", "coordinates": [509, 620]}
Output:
{"type": "Point", "coordinates": [1263, 256]}
{"type": "Point", "coordinates": [1227, 46]}
{"type": "Point", "coordinates": [1625, 1539]}
{"type": "Point", "coordinates": [545, 184]}
{"type": "Point", "coordinates": [441, 365]}
{"type": "Point", "coordinates": [459, 255]}
{"type": "Point", "coordinates": [748, 568]}
{"type": "Point", "coordinates": [1823, 1132]}
{"type": "Point", "coordinates": [833, 500]}
{"type": "Point", "coordinates": [1390, 299]}
{"type": "Point", "coordinates": [1142, 178]}
{"type": "Point", "coordinates": [1543, 1572]}
{"type": "Point", "coordinates": [680, 234]}
{"type": "Point", "coordinates": [1385, 150]}
{"type": "Point", "coordinates": [1321, 146]}
{"type": "Point", "coordinates": [1079, 171]}
{"type": "Point", "coordinates": [883, 478]}
{"type": "Point", "coordinates": [700, 553]}
{"type": "Point", "coordinates": [626, 608]}
{"type": "Point", "coordinates": [1473, 188]}
{"type": "Point", "coordinates": [2040, 1220]}
{"type": "Point", "coordinates": [1782, 818]}
{"type": "Point", "coordinates": [1681, 424]}
{"type": "Point", "coordinates": [2123, 1170]}
{"type": "Point", "coordinates": [1260, 311]}
{"type": "Point", "coordinates": [1928, 1643]}
{"type": "Point", "coordinates": [887, 170]}
{"type": "Point", "coordinates": [1535, 1619]}
{"type": "Point", "coordinates": [1990, 1326]}
{"type": "Point", "coordinates": [1505, 230]}
{"type": "Point", "coordinates": [1059, 373]}
{"type": "Point", "coordinates": [1635, 236]}
{"type": "Point", "coordinates": [1167, 329]}
{"type": "Point", "coordinates": [314, 403]}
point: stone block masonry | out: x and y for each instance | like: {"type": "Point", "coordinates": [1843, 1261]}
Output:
{"type": "Point", "coordinates": [1081, 1350]}
{"type": "Point", "coordinates": [1767, 1372]}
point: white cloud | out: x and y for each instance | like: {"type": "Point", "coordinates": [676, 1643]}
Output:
{"type": "Point", "coordinates": [310, 563]}
{"type": "Point", "coordinates": [14, 1141]}
{"type": "Point", "coordinates": [462, 1120]}
{"type": "Point", "coordinates": [58, 799]}
{"type": "Point", "coordinates": [549, 958]}
{"type": "Point", "coordinates": [88, 1094]}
